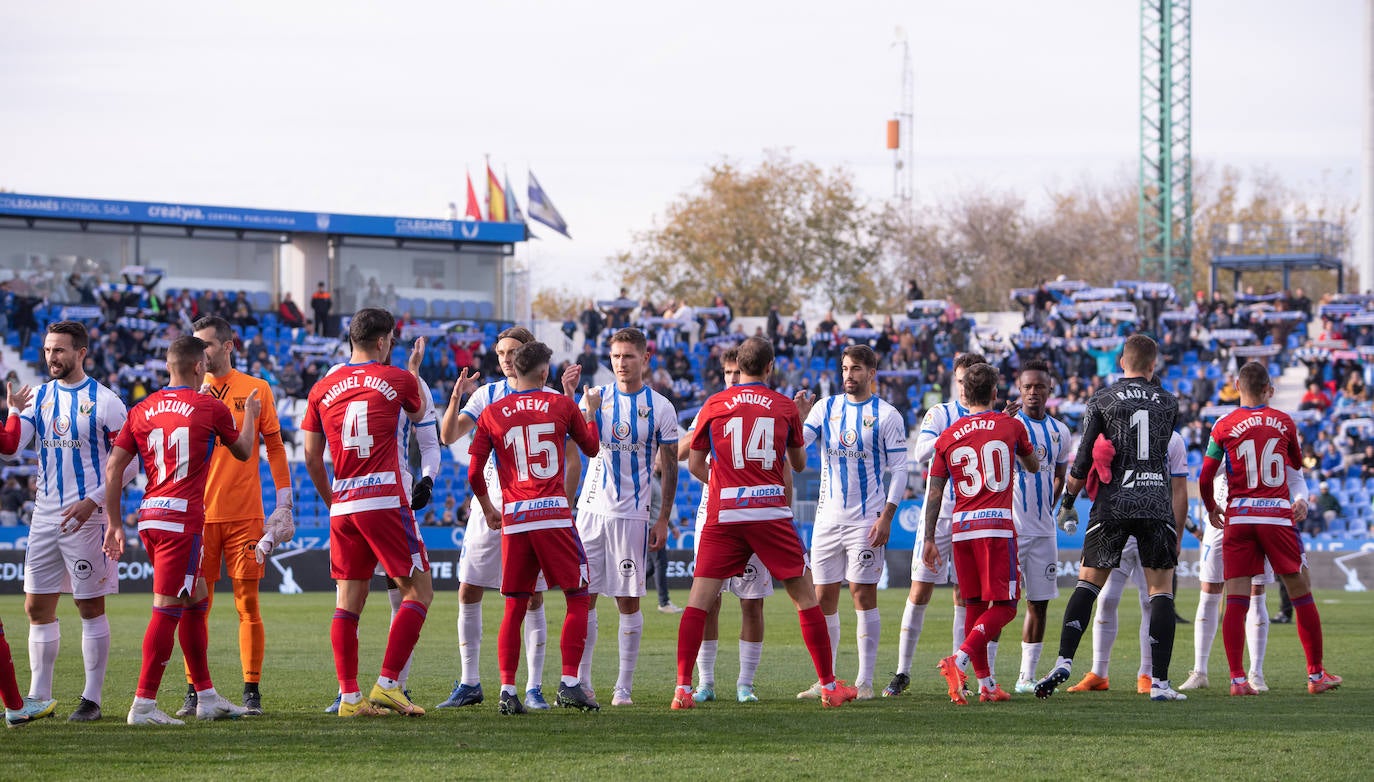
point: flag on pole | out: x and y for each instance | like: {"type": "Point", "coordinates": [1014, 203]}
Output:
{"type": "Point", "coordinates": [496, 197]}
{"type": "Point", "coordinates": [513, 213]}
{"type": "Point", "coordinates": [474, 212]}
{"type": "Point", "coordinates": [542, 209]}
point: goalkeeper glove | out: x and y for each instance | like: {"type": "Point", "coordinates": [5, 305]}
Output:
{"type": "Point", "coordinates": [419, 496]}
{"type": "Point", "coordinates": [280, 526]}
{"type": "Point", "coordinates": [1068, 516]}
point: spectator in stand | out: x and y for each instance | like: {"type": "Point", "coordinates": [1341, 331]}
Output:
{"type": "Point", "coordinates": [1332, 460]}
{"type": "Point", "coordinates": [827, 335]}
{"type": "Point", "coordinates": [1367, 462]}
{"type": "Point", "coordinates": [1203, 387]}
{"type": "Point", "coordinates": [678, 365]}
{"type": "Point", "coordinates": [291, 315]}
{"type": "Point", "coordinates": [773, 329]}
{"type": "Point", "coordinates": [1328, 510]}
{"type": "Point", "coordinates": [320, 304]}
{"type": "Point", "coordinates": [723, 320]}
{"type": "Point", "coordinates": [1354, 391]}
{"type": "Point", "coordinates": [1299, 301]}
{"type": "Point", "coordinates": [243, 314]}
{"type": "Point", "coordinates": [289, 378]}
{"type": "Point", "coordinates": [1228, 395]}
{"type": "Point", "coordinates": [589, 362]}
{"type": "Point", "coordinates": [860, 322]}
{"type": "Point", "coordinates": [1315, 398]}
{"type": "Point", "coordinates": [913, 291]}
{"type": "Point", "coordinates": [12, 499]}
{"type": "Point", "coordinates": [21, 309]}
{"type": "Point", "coordinates": [309, 376]}
{"type": "Point", "coordinates": [591, 321]}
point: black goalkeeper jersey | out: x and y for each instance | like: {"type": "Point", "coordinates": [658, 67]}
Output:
{"type": "Point", "coordinates": [1138, 417]}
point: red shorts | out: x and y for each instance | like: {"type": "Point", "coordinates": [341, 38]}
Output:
{"type": "Point", "coordinates": [725, 549]}
{"type": "Point", "coordinates": [358, 541]}
{"type": "Point", "coordinates": [175, 557]}
{"type": "Point", "coordinates": [987, 568]}
{"type": "Point", "coordinates": [557, 552]}
{"type": "Point", "coordinates": [1245, 546]}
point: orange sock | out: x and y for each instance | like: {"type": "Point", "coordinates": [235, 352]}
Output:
{"type": "Point", "coordinates": [251, 637]}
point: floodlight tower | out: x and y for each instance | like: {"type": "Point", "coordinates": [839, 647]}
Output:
{"type": "Point", "coordinates": [901, 131]}
{"type": "Point", "coordinates": [1165, 211]}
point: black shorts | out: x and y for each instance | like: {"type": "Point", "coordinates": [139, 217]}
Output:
{"type": "Point", "coordinates": [1157, 541]}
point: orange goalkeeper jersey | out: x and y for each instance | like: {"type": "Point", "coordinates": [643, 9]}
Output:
{"type": "Point", "coordinates": [234, 489]}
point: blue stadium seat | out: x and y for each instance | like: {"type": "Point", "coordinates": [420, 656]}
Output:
{"type": "Point", "coordinates": [484, 310]}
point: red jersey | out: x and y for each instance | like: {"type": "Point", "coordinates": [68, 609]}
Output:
{"type": "Point", "coordinates": [174, 432]}
{"type": "Point", "coordinates": [357, 407]}
{"type": "Point", "coordinates": [525, 432]}
{"type": "Point", "coordinates": [747, 429]}
{"type": "Point", "coordinates": [1258, 444]}
{"type": "Point", "coordinates": [975, 453]}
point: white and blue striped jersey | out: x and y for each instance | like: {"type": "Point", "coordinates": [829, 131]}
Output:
{"type": "Point", "coordinates": [1032, 507]}
{"type": "Point", "coordinates": [631, 427]}
{"type": "Point", "coordinates": [858, 442]}
{"type": "Point", "coordinates": [487, 395]}
{"type": "Point", "coordinates": [936, 421]}
{"type": "Point", "coordinates": [73, 429]}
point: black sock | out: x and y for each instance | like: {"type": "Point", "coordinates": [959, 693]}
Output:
{"type": "Point", "coordinates": [1077, 616]}
{"type": "Point", "coordinates": [190, 689]}
{"type": "Point", "coordinates": [250, 687]}
{"type": "Point", "coordinates": [1162, 633]}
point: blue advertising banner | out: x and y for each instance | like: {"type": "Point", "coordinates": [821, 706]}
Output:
{"type": "Point", "coordinates": [200, 216]}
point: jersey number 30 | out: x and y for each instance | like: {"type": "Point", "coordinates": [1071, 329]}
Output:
{"type": "Point", "coordinates": [991, 468]}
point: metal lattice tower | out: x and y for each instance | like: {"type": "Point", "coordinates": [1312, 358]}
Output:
{"type": "Point", "coordinates": [904, 156]}
{"type": "Point", "coordinates": [1166, 143]}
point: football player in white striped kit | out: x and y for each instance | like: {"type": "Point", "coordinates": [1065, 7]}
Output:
{"type": "Point", "coordinates": [859, 437]}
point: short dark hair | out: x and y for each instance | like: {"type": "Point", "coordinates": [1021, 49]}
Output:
{"type": "Point", "coordinates": [730, 355]}
{"type": "Point", "coordinates": [184, 353]}
{"type": "Point", "coordinates": [633, 336]}
{"type": "Point", "coordinates": [966, 360]}
{"type": "Point", "coordinates": [1139, 353]}
{"type": "Point", "coordinates": [1037, 365]}
{"type": "Point", "coordinates": [518, 333]}
{"type": "Point", "coordinates": [369, 324]}
{"type": "Point", "coordinates": [1253, 378]}
{"type": "Point", "coordinates": [530, 356]}
{"type": "Point", "coordinates": [223, 331]}
{"type": "Point", "coordinates": [755, 354]}
{"type": "Point", "coordinates": [980, 384]}
{"type": "Point", "coordinates": [861, 354]}
{"type": "Point", "coordinates": [74, 329]}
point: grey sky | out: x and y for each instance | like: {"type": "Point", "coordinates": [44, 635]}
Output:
{"type": "Point", "coordinates": [378, 108]}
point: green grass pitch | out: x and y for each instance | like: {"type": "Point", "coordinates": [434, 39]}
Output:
{"type": "Point", "coordinates": [1285, 734]}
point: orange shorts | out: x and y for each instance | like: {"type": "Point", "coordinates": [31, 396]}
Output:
{"type": "Point", "coordinates": [232, 543]}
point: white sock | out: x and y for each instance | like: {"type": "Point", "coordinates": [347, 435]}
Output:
{"type": "Point", "coordinates": [508, 689]}
{"type": "Point", "coordinates": [584, 669]}
{"type": "Point", "coordinates": [959, 633]}
{"type": "Point", "coordinates": [536, 643]}
{"type": "Point", "coordinates": [144, 704]}
{"type": "Point", "coordinates": [1147, 657]}
{"type": "Point", "coordinates": [961, 659]}
{"type": "Point", "coordinates": [1030, 660]}
{"type": "Point", "coordinates": [95, 653]}
{"type": "Point", "coordinates": [987, 682]}
{"type": "Point", "coordinates": [750, 652]}
{"type": "Point", "coordinates": [206, 695]}
{"type": "Point", "coordinates": [1205, 629]}
{"type": "Point", "coordinates": [867, 632]}
{"type": "Point", "coordinates": [569, 681]}
{"type": "Point", "coordinates": [1257, 633]}
{"type": "Point", "coordinates": [1104, 631]}
{"type": "Point", "coordinates": [44, 641]}
{"type": "Point", "coordinates": [1064, 662]}
{"type": "Point", "coordinates": [470, 641]}
{"type": "Point", "coordinates": [913, 619]}
{"type": "Point", "coordinates": [706, 662]}
{"type": "Point", "coordinates": [992, 658]}
{"type": "Point", "coordinates": [388, 684]}
{"type": "Point", "coordinates": [832, 626]}
{"type": "Point", "coordinates": [351, 697]}
{"type": "Point", "coordinates": [631, 629]}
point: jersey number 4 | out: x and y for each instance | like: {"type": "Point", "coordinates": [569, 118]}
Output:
{"type": "Point", "coordinates": [991, 468]}
{"type": "Point", "coordinates": [758, 448]}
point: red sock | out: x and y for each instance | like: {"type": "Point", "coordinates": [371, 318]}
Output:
{"type": "Point", "coordinates": [343, 636]}
{"type": "Point", "coordinates": [987, 625]}
{"type": "Point", "coordinates": [9, 686]}
{"type": "Point", "coordinates": [405, 633]}
{"type": "Point", "coordinates": [814, 634]}
{"type": "Point", "coordinates": [194, 636]}
{"type": "Point", "coordinates": [158, 641]}
{"type": "Point", "coordinates": [1309, 631]}
{"type": "Point", "coordinates": [574, 637]}
{"type": "Point", "coordinates": [1233, 633]}
{"type": "Point", "coordinates": [690, 631]}
{"type": "Point", "coordinates": [508, 642]}
{"type": "Point", "coordinates": [973, 611]}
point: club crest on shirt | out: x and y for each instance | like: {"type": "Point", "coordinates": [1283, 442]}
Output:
{"type": "Point", "coordinates": [848, 437]}
{"type": "Point", "coordinates": [643, 412]}
{"type": "Point", "coordinates": [621, 430]}
{"type": "Point", "coordinates": [62, 425]}
{"type": "Point", "coordinates": [240, 402]}
{"type": "Point", "coordinates": [85, 408]}
{"type": "Point", "coordinates": [869, 421]}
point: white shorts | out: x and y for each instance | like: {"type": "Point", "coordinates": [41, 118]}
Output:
{"type": "Point", "coordinates": [1039, 559]}
{"type": "Point", "coordinates": [1209, 569]}
{"type": "Point", "coordinates": [944, 532]}
{"type": "Point", "coordinates": [479, 563]}
{"type": "Point", "coordinates": [616, 549]}
{"type": "Point", "coordinates": [755, 584]}
{"type": "Point", "coordinates": [841, 553]}
{"type": "Point", "coordinates": [74, 563]}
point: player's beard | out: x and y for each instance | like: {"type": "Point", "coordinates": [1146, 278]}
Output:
{"type": "Point", "coordinates": [60, 371]}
